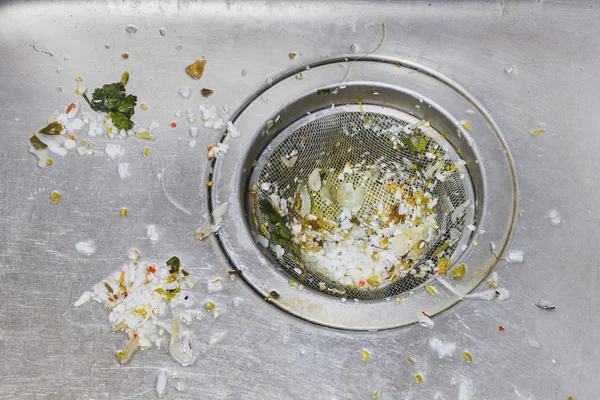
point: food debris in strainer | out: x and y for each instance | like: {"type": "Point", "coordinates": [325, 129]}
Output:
{"type": "Point", "coordinates": [387, 223]}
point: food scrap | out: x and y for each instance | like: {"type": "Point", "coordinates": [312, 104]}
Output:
{"type": "Point", "coordinates": [544, 306]}
{"type": "Point", "coordinates": [467, 356]}
{"type": "Point", "coordinates": [206, 92]}
{"type": "Point", "coordinates": [418, 378]}
{"type": "Point", "coordinates": [537, 132]}
{"type": "Point", "coordinates": [365, 355]}
{"type": "Point", "coordinates": [138, 298]}
{"type": "Point", "coordinates": [54, 197]}
{"type": "Point", "coordinates": [112, 99]}
{"type": "Point", "coordinates": [196, 69]}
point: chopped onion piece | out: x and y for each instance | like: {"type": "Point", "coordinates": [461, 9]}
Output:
{"type": "Point", "coordinates": [289, 162]}
{"type": "Point", "coordinates": [305, 198]}
{"type": "Point", "coordinates": [161, 382]}
{"type": "Point", "coordinates": [180, 346]}
{"type": "Point", "coordinates": [314, 180]}
{"type": "Point", "coordinates": [459, 211]}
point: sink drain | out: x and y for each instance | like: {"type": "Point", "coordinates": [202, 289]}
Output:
{"type": "Point", "coordinates": [353, 138]}
{"type": "Point", "coordinates": [369, 139]}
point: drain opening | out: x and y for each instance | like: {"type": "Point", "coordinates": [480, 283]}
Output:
{"type": "Point", "coordinates": [395, 163]}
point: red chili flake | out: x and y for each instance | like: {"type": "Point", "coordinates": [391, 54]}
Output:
{"type": "Point", "coordinates": [173, 125]}
{"type": "Point", "coordinates": [151, 269]}
{"type": "Point", "coordinates": [425, 314]}
{"type": "Point", "coordinates": [111, 299]}
{"type": "Point", "coordinates": [501, 328]}
{"type": "Point", "coordinates": [71, 106]}
{"type": "Point", "coordinates": [125, 294]}
{"type": "Point", "coordinates": [135, 335]}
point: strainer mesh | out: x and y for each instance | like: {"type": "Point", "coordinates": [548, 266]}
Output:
{"type": "Point", "coordinates": [329, 143]}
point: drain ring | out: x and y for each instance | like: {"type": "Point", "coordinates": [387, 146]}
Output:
{"type": "Point", "coordinates": [380, 83]}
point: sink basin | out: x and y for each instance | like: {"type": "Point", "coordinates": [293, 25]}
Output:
{"type": "Point", "coordinates": [527, 67]}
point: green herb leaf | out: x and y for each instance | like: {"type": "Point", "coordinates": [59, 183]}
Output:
{"type": "Point", "coordinates": [269, 211]}
{"type": "Point", "coordinates": [174, 264]}
{"type": "Point", "coordinates": [323, 91]}
{"type": "Point", "coordinates": [111, 98]}
{"type": "Point", "coordinates": [36, 143]}
{"type": "Point", "coordinates": [415, 143]}
{"type": "Point", "coordinates": [53, 128]}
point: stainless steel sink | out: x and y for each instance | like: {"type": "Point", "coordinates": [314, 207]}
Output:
{"type": "Point", "coordinates": [527, 65]}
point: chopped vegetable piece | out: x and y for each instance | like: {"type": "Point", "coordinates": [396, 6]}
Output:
{"type": "Point", "coordinates": [399, 299]}
{"type": "Point", "coordinates": [467, 126]}
{"type": "Point", "coordinates": [293, 55]}
{"type": "Point", "coordinates": [144, 106]}
{"type": "Point", "coordinates": [323, 91]}
{"type": "Point", "coordinates": [501, 328]}
{"type": "Point", "coordinates": [124, 356]}
{"type": "Point", "coordinates": [409, 360]}
{"type": "Point", "coordinates": [398, 65]}
{"type": "Point", "coordinates": [467, 356]}
{"type": "Point", "coordinates": [146, 150]}
{"type": "Point", "coordinates": [123, 212]}
{"type": "Point", "coordinates": [196, 69]}
{"type": "Point", "coordinates": [79, 79]}
{"type": "Point", "coordinates": [430, 290]}
{"type": "Point", "coordinates": [71, 107]}
{"type": "Point", "coordinates": [173, 124]}
{"type": "Point", "coordinates": [125, 56]}
{"type": "Point", "coordinates": [376, 394]}
{"type": "Point", "coordinates": [209, 183]}
{"type": "Point", "coordinates": [537, 132]}
{"type": "Point", "coordinates": [458, 272]}
{"type": "Point", "coordinates": [53, 128]}
{"type": "Point", "coordinates": [206, 92]}
{"type": "Point", "coordinates": [145, 135]}
{"type": "Point", "coordinates": [418, 378]}
{"type": "Point", "coordinates": [365, 355]}
{"type": "Point", "coordinates": [209, 306]}
{"type": "Point", "coordinates": [125, 78]}
{"type": "Point", "coordinates": [234, 272]}
{"type": "Point", "coordinates": [36, 143]}
{"type": "Point", "coordinates": [273, 295]}
{"type": "Point", "coordinates": [415, 143]}
{"type": "Point", "coordinates": [111, 98]}
{"type": "Point", "coordinates": [55, 197]}
{"type": "Point", "coordinates": [175, 264]}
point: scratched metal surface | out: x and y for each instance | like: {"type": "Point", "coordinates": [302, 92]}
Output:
{"type": "Point", "coordinates": [49, 349]}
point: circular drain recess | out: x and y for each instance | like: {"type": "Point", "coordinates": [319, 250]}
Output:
{"type": "Point", "coordinates": [406, 125]}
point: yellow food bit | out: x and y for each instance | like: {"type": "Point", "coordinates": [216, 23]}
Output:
{"type": "Point", "coordinates": [209, 306]}
{"type": "Point", "coordinates": [196, 69]}
{"type": "Point", "coordinates": [49, 161]}
{"type": "Point", "coordinates": [376, 394]}
{"type": "Point", "coordinates": [146, 150]}
{"type": "Point", "coordinates": [443, 264]}
{"type": "Point", "coordinates": [399, 299]}
{"type": "Point", "coordinates": [83, 141]}
{"type": "Point", "coordinates": [123, 212]}
{"type": "Point", "coordinates": [409, 360]}
{"type": "Point", "coordinates": [191, 284]}
{"type": "Point", "coordinates": [522, 212]}
{"type": "Point", "coordinates": [467, 356]}
{"type": "Point", "coordinates": [418, 378]}
{"type": "Point", "coordinates": [292, 283]}
{"type": "Point", "coordinates": [125, 78]}
{"type": "Point", "coordinates": [570, 398]}
{"type": "Point", "coordinates": [145, 135]}
{"type": "Point", "coordinates": [209, 183]}
{"type": "Point", "coordinates": [125, 56]}
{"type": "Point", "coordinates": [391, 187]}
{"type": "Point", "coordinates": [430, 290]}
{"type": "Point", "coordinates": [467, 126]}
{"type": "Point", "coordinates": [365, 355]}
{"type": "Point", "coordinates": [475, 242]}
{"type": "Point", "coordinates": [58, 89]}
{"type": "Point", "coordinates": [304, 137]}
{"type": "Point", "coordinates": [383, 242]}
{"type": "Point", "coordinates": [440, 249]}
{"type": "Point", "coordinates": [293, 55]}
{"type": "Point", "coordinates": [398, 64]}
{"type": "Point", "coordinates": [107, 46]}
{"type": "Point", "coordinates": [142, 312]}
{"type": "Point", "coordinates": [458, 272]}
{"type": "Point", "coordinates": [144, 106]}
{"type": "Point", "coordinates": [537, 132]}
{"type": "Point", "coordinates": [79, 79]}
{"type": "Point", "coordinates": [55, 197]}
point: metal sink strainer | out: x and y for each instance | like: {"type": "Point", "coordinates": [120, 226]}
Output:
{"type": "Point", "coordinates": [328, 140]}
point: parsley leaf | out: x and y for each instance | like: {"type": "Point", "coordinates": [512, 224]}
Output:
{"type": "Point", "coordinates": [415, 143]}
{"type": "Point", "coordinates": [111, 98]}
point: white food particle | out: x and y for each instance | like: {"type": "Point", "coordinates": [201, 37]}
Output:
{"type": "Point", "coordinates": [233, 131]}
{"type": "Point", "coordinates": [463, 391]}
{"type": "Point", "coordinates": [145, 343]}
{"type": "Point", "coordinates": [153, 126]}
{"type": "Point", "coordinates": [215, 285]}
{"type": "Point", "coordinates": [354, 48]}
{"type": "Point", "coordinates": [279, 251]}
{"type": "Point", "coordinates": [426, 321]}
{"type": "Point", "coordinates": [163, 31]}
{"type": "Point", "coordinates": [516, 256]}
{"type": "Point", "coordinates": [161, 383]}
{"type": "Point", "coordinates": [86, 247]}
{"type": "Point", "coordinates": [152, 235]}
{"type": "Point", "coordinates": [442, 349]}
{"type": "Point", "coordinates": [471, 227]}
{"type": "Point", "coordinates": [70, 144]}
{"type": "Point", "coordinates": [131, 28]}
{"type": "Point", "coordinates": [124, 170]}
{"type": "Point", "coordinates": [133, 255]}
{"type": "Point", "coordinates": [113, 151]}
{"type": "Point", "coordinates": [84, 299]}
{"type": "Point", "coordinates": [218, 124]}
{"type": "Point", "coordinates": [554, 217]}
{"type": "Point", "coordinates": [192, 143]}
{"type": "Point", "coordinates": [511, 70]}
{"type": "Point", "coordinates": [194, 131]}
{"type": "Point", "coordinates": [185, 92]}
{"type": "Point", "coordinates": [269, 81]}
